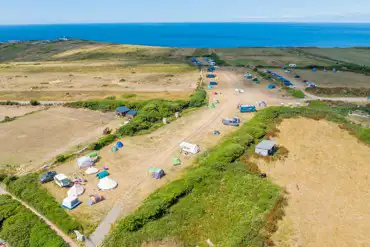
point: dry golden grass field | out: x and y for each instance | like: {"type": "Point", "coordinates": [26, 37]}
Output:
{"type": "Point", "coordinates": [326, 176]}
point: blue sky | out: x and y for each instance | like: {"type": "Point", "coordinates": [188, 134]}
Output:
{"type": "Point", "coordinates": [102, 11]}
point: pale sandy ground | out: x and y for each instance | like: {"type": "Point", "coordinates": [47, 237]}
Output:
{"type": "Point", "coordinates": [130, 165]}
{"type": "Point", "coordinates": [326, 175]}
{"type": "Point", "coordinates": [16, 111]}
{"type": "Point", "coordinates": [31, 140]}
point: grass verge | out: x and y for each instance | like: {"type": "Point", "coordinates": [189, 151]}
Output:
{"type": "Point", "coordinates": [21, 228]}
{"type": "Point", "coordinates": [28, 189]}
{"type": "Point", "coordinates": [339, 91]}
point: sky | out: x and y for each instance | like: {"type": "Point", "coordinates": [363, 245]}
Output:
{"type": "Point", "coordinates": [122, 11]}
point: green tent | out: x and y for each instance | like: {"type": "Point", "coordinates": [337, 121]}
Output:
{"type": "Point", "coordinates": [212, 106]}
{"type": "Point", "coordinates": [93, 154]}
{"type": "Point", "coordinates": [176, 161]}
{"type": "Point", "coordinates": [215, 101]}
{"type": "Point", "coordinates": [153, 170]}
{"type": "Point", "coordinates": [114, 149]}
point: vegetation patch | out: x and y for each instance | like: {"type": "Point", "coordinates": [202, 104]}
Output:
{"type": "Point", "coordinates": [149, 117]}
{"type": "Point", "coordinates": [7, 119]}
{"type": "Point", "coordinates": [21, 228]}
{"type": "Point", "coordinates": [340, 91]}
{"type": "Point", "coordinates": [28, 189]}
{"type": "Point", "coordinates": [9, 103]}
{"type": "Point", "coordinates": [128, 95]}
{"type": "Point", "coordinates": [295, 92]}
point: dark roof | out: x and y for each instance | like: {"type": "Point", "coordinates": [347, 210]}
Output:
{"type": "Point", "coordinates": [131, 112]}
{"type": "Point", "coordinates": [122, 109]}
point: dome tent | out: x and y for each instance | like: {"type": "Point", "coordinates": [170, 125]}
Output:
{"type": "Point", "coordinates": [76, 190]}
{"type": "Point", "coordinates": [107, 184]}
{"type": "Point", "coordinates": [70, 202]}
{"type": "Point", "coordinates": [91, 170]}
{"type": "Point", "coordinates": [119, 144]}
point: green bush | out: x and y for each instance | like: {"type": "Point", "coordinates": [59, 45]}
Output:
{"type": "Point", "coordinates": [61, 158]}
{"type": "Point", "coordinates": [128, 95]}
{"type": "Point", "coordinates": [198, 98]}
{"type": "Point", "coordinates": [21, 228]}
{"type": "Point", "coordinates": [28, 189]}
{"type": "Point", "coordinates": [110, 97]}
{"type": "Point", "coordinates": [3, 177]}
{"type": "Point", "coordinates": [34, 103]}
{"type": "Point", "coordinates": [9, 103]}
{"type": "Point", "coordinates": [102, 142]}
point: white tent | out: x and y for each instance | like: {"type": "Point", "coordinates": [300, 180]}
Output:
{"type": "Point", "coordinates": [107, 184]}
{"type": "Point", "coordinates": [70, 202]}
{"type": "Point", "coordinates": [91, 170]}
{"type": "Point", "coordinates": [189, 147]}
{"type": "Point", "coordinates": [76, 190]}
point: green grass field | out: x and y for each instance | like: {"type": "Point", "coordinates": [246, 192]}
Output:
{"type": "Point", "coordinates": [265, 57]}
{"type": "Point", "coordinates": [360, 56]}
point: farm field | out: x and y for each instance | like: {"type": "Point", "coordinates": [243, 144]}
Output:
{"type": "Point", "coordinates": [265, 56]}
{"type": "Point", "coordinates": [16, 111]}
{"type": "Point", "coordinates": [96, 94]}
{"type": "Point", "coordinates": [337, 79]}
{"type": "Point", "coordinates": [28, 142]}
{"type": "Point", "coordinates": [359, 56]}
{"type": "Point", "coordinates": [326, 176]}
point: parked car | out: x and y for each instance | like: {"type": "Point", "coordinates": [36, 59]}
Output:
{"type": "Point", "coordinates": [62, 180]}
{"type": "Point", "coordinates": [231, 121]}
{"type": "Point", "coordinates": [47, 177]}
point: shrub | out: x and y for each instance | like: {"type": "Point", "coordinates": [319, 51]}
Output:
{"type": "Point", "coordinates": [111, 98]}
{"type": "Point", "coordinates": [34, 103]}
{"type": "Point", "coordinates": [128, 95]}
{"type": "Point", "coordinates": [102, 142]}
{"type": "Point", "coordinates": [3, 177]}
{"type": "Point", "coordinates": [20, 227]}
{"type": "Point", "coordinates": [60, 158]}
{"type": "Point", "coordinates": [9, 103]}
{"type": "Point", "coordinates": [198, 98]}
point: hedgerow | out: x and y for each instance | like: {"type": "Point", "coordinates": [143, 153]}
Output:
{"type": "Point", "coordinates": [149, 113]}
{"type": "Point", "coordinates": [28, 189]}
{"type": "Point", "coordinates": [21, 228]}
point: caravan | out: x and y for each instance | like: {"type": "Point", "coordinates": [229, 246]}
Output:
{"type": "Point", "coordinates": [189, 147]}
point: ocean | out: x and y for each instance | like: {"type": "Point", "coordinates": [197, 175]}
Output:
{"type": "Point", "coordinates": [202, 35]}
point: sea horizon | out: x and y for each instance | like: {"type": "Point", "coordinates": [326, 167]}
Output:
{"type": "Point", "coordinates": [201, 34]}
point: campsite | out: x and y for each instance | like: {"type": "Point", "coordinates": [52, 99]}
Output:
{"type": "Point", "coordinates": [129, 130]}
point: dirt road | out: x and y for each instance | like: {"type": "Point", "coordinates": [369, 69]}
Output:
{"type": "Point", "coordinates": [142, 152]}
{"type": "Point", "coordinates": [66, 238]}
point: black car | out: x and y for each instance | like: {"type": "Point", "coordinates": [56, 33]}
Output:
{"type": "Point", "coordinates": [47, 177]}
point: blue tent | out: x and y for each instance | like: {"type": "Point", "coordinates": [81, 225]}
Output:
{"type": "Point", "coordinates": [314, 70]}
{"type": "Point", "coordinates": [131, 113]}
{"type": "Point", "coordinates": [102, 174]}
{"type": "Point", "coordinates": [212, 83]}
{"type": "Point", "coordinates": [122, 110]}
{"type": "Point", "coordinates": [119, 144]}
{"type": "Point", "coordinates": [271, 86]}
{"type": "Point", "coordinates": [210, 86]}
{"type": "Point", "coordinates": [210, 76]}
